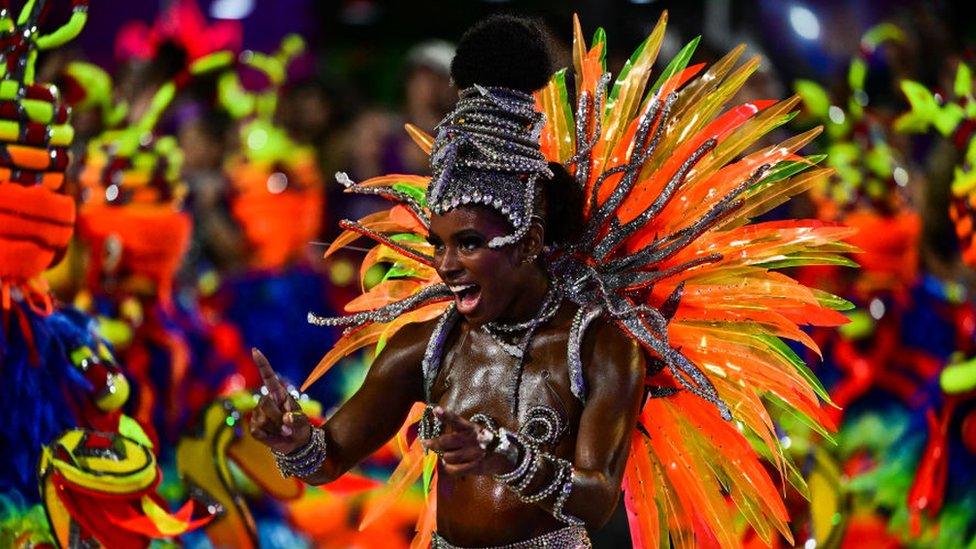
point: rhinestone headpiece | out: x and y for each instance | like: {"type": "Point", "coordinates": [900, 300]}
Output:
{"type": "Point", "coordinates": [487, 153]}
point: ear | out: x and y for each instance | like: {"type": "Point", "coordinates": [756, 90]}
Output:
{"type": "Point", "coordinates": [531, 246]}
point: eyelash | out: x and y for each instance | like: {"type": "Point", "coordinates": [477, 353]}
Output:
{"type": "Point", "coordinates": [468, 244]}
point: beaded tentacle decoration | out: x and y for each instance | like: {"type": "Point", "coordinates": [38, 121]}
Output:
{"type": "Point", "coordinates": [669, 254]}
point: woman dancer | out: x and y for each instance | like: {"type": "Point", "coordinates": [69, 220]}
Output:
{"type": "Point", "coordinates": [563, 324]}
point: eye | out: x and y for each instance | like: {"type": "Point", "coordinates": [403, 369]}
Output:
{"type": "Point", "coordinates": [437, 244]}
{"type": "Point", "coordinates": [470, 243]}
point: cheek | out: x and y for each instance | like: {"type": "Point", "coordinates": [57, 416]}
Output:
{"type": "Point", "coordinates": [491, 266]}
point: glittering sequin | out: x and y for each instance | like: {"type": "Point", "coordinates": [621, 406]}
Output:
{"type": "Point", "coordinates": [487, 153]}
{"type": "Point", "coordinates": [570, 537]}
{"type": "Point", "coordinates": [435, 347]}
{"type": "Point", "coordinates": [584, 317]}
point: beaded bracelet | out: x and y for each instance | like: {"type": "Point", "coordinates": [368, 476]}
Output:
{"type": "Point", "coordinates": [305, 461]}
{"type": "Point", "coordinates": [430, 425]}
{"type": "Point", "coordinates": [557, 508]}
{"type": "Point", "coordinates": [489, 439]}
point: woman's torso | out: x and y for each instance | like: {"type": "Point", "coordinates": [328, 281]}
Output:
{"type": "Point", "coordinates": [477, 376]}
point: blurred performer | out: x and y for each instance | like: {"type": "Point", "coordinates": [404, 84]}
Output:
{"type": "Point", "coordinates": [869, 191]}
{"type": "Point", "coordinates": [75, 471]}
{"type": "Point", "coordinates": [136, 234]}
{"type": "Point", "coordinates": [277, 198]}
{"type": "Point", "coordinates": [580, 300]}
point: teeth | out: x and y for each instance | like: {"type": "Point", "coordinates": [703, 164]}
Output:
{"type": "Point", "coordinates": [459, 289]}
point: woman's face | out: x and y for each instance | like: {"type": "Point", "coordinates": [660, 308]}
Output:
{"type": "Point", "coordinates": [485, 281]}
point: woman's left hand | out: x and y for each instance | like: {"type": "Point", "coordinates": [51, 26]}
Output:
{"type": "Point", "coordinates": [461, 447]}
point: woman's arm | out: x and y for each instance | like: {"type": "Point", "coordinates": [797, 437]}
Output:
{"type": "Point", "coordinates": [364, 423]}
{"type": "Point", "coordinates": [615, 383]}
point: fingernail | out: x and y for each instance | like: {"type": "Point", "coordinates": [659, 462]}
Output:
{"type": "Point", "coordinates": [438, 410]}
{"type": "Point", "coordinates": [286, 430]}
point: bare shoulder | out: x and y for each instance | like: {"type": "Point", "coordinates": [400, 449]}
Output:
{"type": "Point", "coordinates": [412, 338]}
{"type": "Point", "coordinates": [610, 355]}
{"type": "Point", "coordinates": [403, 353]}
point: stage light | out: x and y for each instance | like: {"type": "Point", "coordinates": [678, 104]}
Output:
{"type": "Point", "coordinates": [876, 308]}
{"type": "Point", "coordinates": [231, 9]}
{"type": "Point", "coordinates": [277, 183]}
{"type": "Point", "coordinates": [257, 139]}
{"type": "Point", "coordinates": [901, 176]}
{"type": "Point", "coordinates": [804, 23]}
{"type": "Point", "coordinates": [836, 114]}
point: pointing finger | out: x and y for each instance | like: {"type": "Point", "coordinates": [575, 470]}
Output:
{"type": "Point", "coordinates": [449, 442]}
{"type": "Point", "coordinates": [269, 378]}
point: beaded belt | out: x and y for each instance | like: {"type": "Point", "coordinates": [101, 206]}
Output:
{"type": "Point", "coordinates": [570, 537]}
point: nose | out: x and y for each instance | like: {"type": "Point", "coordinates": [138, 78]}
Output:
{"type": "Point", "coordinates": [449, 268]}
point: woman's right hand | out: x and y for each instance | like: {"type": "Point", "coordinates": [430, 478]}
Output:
{"type": "Point", "coordinates": [277, 421]}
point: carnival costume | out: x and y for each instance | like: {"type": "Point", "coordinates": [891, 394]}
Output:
{"type": "Point", "coordinates": [920, 472]}
{"type": "Point", "coordinates": [667, 254]}
{"type": "Point", "coordinates": [277, 197]}
{"type": "Point", "coordinates": [136, 234]}
{"type": "Point", "coordinates": [897, 444]}
{"type": "Point", "coordinates": [182, 24]}
{"type": "Point", "coordinates": [76, 471]}
{"type": "Point", "coordinates": [868, 191]}
{"type": "Point", "coordinates": [954, 118]}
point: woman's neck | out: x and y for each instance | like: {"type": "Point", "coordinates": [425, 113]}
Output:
{"type": "Point", "coordinates": [528, 300]}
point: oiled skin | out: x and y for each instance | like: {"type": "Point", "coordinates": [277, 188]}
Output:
{"type": "Point", "coordinates": [475, 377]}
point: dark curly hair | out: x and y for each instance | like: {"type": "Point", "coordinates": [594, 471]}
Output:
{"type": "Point", "coordinates": [562, 207]}
{"type": "Point", "coordinates": [504, 51]}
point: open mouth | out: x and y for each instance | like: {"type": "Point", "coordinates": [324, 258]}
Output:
{"type": "Point", "coordinates": [467, 297]}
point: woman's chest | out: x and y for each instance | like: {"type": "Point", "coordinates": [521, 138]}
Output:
{"type": "Point", "coordinates": [478, 376]}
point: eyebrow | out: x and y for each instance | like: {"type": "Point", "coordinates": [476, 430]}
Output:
{"type": "Point", "coordinates": [432, 238]}
{"type": "Point", "coordinates": [467, 232]}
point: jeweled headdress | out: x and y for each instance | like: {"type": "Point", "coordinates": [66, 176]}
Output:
{"type": "Point", "coordinates": [487, 153]}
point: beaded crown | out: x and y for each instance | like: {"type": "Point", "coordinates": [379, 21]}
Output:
{"type": "Point", "coordinates": [487, 153]}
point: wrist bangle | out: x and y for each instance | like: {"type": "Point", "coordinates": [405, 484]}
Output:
{"type": "Point", "coordinates": [488, 438]}
{"type": "Point", "coordinates": [430, 425]}
{"type": "Point", "coordinates": [304, 461]}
